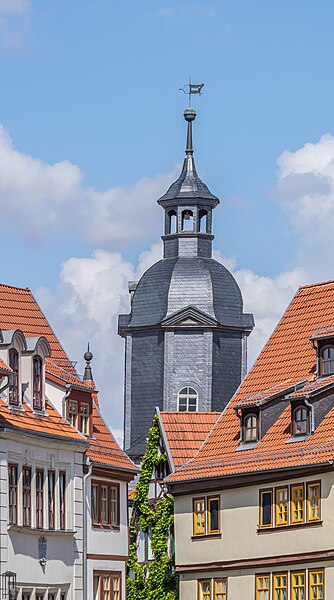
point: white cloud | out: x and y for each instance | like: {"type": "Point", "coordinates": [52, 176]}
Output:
{"type": "Point", "coordinates": [119, 217]}
{"type": "Point", "coordinates": [17, 7]}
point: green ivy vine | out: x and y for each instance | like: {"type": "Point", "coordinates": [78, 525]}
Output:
{"type": "Point", "coordinates": [153, 580]}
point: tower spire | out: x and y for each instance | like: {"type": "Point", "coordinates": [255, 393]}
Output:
{"type": "Point", "coordinates": [190, 116]}
{"type": "Point", "coordinates": [88, 375]}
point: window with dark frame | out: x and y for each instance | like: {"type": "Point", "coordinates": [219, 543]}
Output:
{"type": "Point", "coordinates": [26, 496]}
{"type": "Point", "coordinates": [13, 390]}
{"type": "Point", "coordinates": [37, 383]}
{"type": "Point", "coordinates": [266, 511]}
{"type": "Point", "coordinates": [62, 499]}
{"type": "Point", "coordinates": [250, 427]}
{"type": "Point", "coordinates": [300, 421]}
{"type": "Point", "coordinates": [12, 492]}
{"type": "Point", "coordinates": [39, 479]}
{"type": "Point", "coordinates": [327, 359]}
{"type": "Point", "coordinates": [51, 499]}
{"type": "Point", "coordinates": [105, 504]}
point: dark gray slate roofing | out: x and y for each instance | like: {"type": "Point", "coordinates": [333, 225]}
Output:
{"type": "Point", "coordinates": [188, 185]}
{"type": "Point", "coordinates": [175, 283]}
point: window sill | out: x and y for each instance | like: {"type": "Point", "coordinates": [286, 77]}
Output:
{"type": "Point", "coordinates": [206, 536]}
{"type": "Point", "coordinates": [35, 531]}
{"type": "Point", "coordinates": [247, 445]}
{"type": "Point", "coordinates": [298, 438]}
{"type": "Point", "coordinates": [98, 527]}
{"type": "Point", "coordinates": [293, 526]}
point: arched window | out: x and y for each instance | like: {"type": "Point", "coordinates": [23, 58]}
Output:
{"type": "Point", "coordinates": [13, 395]}
{"type": "Point", "coordinates": [300, 421]}
{"type": "Point", "coordinates": [187, 400]}
{"type": "Point", "coordinates": [327, 360]}
{"type": "Point", "coordinates": [187, 220]}
{"type": "Point", "coordinates": [172, 221]}
{"type": "Point", "coordinates": [203, 220]}
{"type": "Point", "coordinates": [37, 384]}
{"type": "Point", "coordinates": [251, 428]}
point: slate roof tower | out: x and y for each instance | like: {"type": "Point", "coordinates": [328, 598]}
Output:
{"type": "Point", "coordinates": [186, 333]}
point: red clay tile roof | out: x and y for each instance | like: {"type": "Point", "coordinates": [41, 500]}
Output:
{"type": "Point", "coordinates": [4, 367]}
{"type": "Point", "coordinates": [131, 494]}
{"type": "Point", "coordinates": [19, 310]}
{"type": "Point", "coordinates": [185, 432]}
{"type": "Point", "coordinates": [49, 423]}
{"type": "Point", "coordinates": [104, 449]}
{"type": "Point", "coordinates": [288, 355]}
{"type": "Point", "coordinates": [323, 332]}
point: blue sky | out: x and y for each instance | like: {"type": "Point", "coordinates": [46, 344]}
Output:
{"type": "Point", "coordinates": [93, 85]}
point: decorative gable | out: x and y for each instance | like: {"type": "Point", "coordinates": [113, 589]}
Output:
{"type": "Point", "coordinates": [189, 317]}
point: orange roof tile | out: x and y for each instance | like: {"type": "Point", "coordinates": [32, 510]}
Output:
{"type": "Point", "coordinates": [65, 376]}
{"type": "Point", "coordinates": [288, 355]}
{"type": "Point", "coordinates": [104, 449]}
{"type": "Point", "coordinates": [4, 367]}
{"type": "Point", "coordinates": [185, 432]}
{"type": "Point", "coordinates": [48, 423]}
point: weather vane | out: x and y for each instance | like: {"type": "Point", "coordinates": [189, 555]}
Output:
{"type": "Point", "coordinates": [192, 88]}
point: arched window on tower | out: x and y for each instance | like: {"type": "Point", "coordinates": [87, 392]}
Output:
{"type": "Point", "coordinates": [187, 220]}
{"type": "Point", "coordinates": [187, 400]}
{"type": "Point", "coordinates": [203, 221]}
{"type": "Point", "coordinates": [172, 221]}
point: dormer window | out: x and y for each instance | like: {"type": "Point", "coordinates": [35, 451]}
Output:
{"type": "Point", "coordinates": [327, 360]}
{"type": "Point", "coordinates": [187, 400]}
{"type": "Point", "coordinates": [251, 427]}
{"type": "Point", "coordinates": [78, 415]}
{"type": "Point", "coordinates": [37, 383]}
{"type": "Point", "coordinates": [300, 424]}
{"type": "Point", "coordinates": [13, 392]}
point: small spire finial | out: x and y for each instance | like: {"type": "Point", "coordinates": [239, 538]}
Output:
{"type": "Point", "coordinates": [190, 113]}
{"type": "Point", "coordinates": [88, 356]}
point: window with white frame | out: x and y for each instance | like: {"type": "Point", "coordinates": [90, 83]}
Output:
{"type": "Point", "coordinates": [187, 400]}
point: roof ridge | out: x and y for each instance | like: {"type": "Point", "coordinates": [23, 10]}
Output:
{"type": "Point", "coordinates": [15, 287]}
{"type": "Point", "coordinates": [310, 285]}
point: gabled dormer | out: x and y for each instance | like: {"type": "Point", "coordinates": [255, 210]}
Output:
{"type": "Point", "coordinates": [323, 342]}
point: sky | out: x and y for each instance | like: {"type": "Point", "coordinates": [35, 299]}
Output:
{"type": "Point", "coordinates": [92, 134]}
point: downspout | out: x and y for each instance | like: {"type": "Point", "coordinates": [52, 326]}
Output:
{"type": "Point", "coordinates": [85, 521]}
{"type": "Point", "coordinates": [309, 405]}
{"type": "Point", "coordinates": [63, 402]}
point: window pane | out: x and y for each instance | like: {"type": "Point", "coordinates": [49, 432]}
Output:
{"type": "Point", "coordinates": [262, 587]}
{"type": "Point", "coordinates": [95, 503]}
{"type": "Point", "coordinates": [39, 498]}
{"type": "Point", "coordinates": [313, 492]}
{"type": "Point", "coordinates": [213, 514]}
{"type": "Point", "coordinates": [266, 509]}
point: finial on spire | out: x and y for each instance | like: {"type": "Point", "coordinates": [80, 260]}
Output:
{"type": "Point", "coordinates": [88, 375]}
{"type": "Point", "coordinates": [190, 113]}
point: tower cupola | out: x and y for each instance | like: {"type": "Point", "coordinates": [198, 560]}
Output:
{"type": "Point", "coordinates": [188, 205]}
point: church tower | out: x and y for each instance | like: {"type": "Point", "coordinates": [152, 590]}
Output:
{"type": "Point", "coordinates": [185, 336]}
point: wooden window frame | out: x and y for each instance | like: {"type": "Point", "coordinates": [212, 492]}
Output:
{"type": "Point", "coordinates": [26, 496]}
{"type": "Point", "coordinates": [109, 485]}
{"type": "Point", "coordinates": [215, 594]}
{"type": "Point", "coordinates": [321, 360]}
{"type": "Point", "coordinates": [39, 494]}
{"type": "Point", "coordinates": [257, 590]}
{"type": "Point", "coordinates": [37, 383]}
{"type": "Point", "coordinates": [12, 493]}
{"type": "Point", "coordinates": [14, 386]}
{"type": "Point", "coordinates": [111, 575]}
{"type": "Point", "coordinates": [199, 499]}
{"type": "Point", "coordinates": [277, 589]}
{"type": "Point", "coordinates": [190, 395]}
{"type": "Point", "coordinates": [261, 493]}
{"type": "Point", "coordinates": [80, 417]}
{"type": "Point", "coordinates": [277, 490]}
{"type": "Point", "coordinates": [310, 484]}
{"type": "Point", "coordinates": [199, 588]}
{"type": "Point", "coordinates": [208, 514]}
{"type": "Point", "coordinates": [293, 587]}
{"type": "Point", "coordinates": [246, 416]}
{"type": "Point", "coordinates": [62, 500]}
{"type": "Point", "coordinates": [51, 500]}
{"type": "Point", "coordinates": [310, 573]}
{"type": "Point", "coordinates": [294, 486]}
{"type": "Point", "coordinates": [296, 433]}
